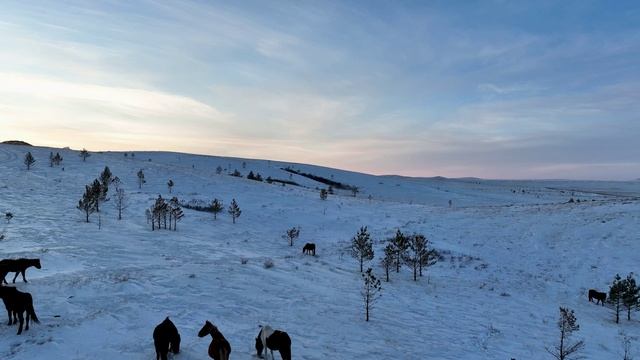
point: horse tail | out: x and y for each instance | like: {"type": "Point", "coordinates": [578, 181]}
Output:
{"type": "Point", "coordinates": [32, 312]}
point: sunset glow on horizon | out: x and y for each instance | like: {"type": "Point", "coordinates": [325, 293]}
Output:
{"type": "Point", "coordinates": [486, 89]}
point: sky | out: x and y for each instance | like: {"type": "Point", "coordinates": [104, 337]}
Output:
{"type": "Point", "coordinates": [492, 89]}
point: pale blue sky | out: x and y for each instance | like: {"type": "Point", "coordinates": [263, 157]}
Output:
{"type": "Point", "coordinates": [495, 89]}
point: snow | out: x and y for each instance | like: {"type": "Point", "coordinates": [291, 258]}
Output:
{"type": "Point", "coordinates": [510, 259]}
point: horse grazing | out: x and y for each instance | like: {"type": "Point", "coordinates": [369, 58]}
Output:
{"type": "Point", "coordinates": [18, 266]}
{"type": "Point", "coordinates": [219, 349]}
{"type": "Point", "coordinates": [273, 340]}
{"type": "Point", "coordinates": [17, 303]}
{"type": "Point", "coordinates": [599, 296]}
{"type": "Point", "coordinates": [166, 338]}
{"type": "Point", "coordinates": [309, 248]}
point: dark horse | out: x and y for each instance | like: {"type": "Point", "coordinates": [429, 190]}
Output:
{"type": "Point", "coordinates": [273, 340]}
{"type": "Point", "coordinates": [17, 303]}
{"type": "Point", "coordinates": [599, 296]}
{"type": "Point", "coordinates": [18, 266]}
{"type": "Point", "coordinates": [219, 349]}
{"type": "Point", "coordinates": [166, 338]}
{"type": "Point", "coordinates": [309, 248]}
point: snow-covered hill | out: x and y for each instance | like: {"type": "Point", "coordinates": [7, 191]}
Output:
{"type": "Point", "coordinates": [513, 252]}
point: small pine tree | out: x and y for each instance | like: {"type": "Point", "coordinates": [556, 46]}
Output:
{"type": "Point", "coordinates": [140, 179]}
{"type": "Point", "coordinates": [57, 159]}
{"type": "Point", "coordinates": [29, 160]}
{"type": "Point", "coordinates": [630, 297]}
{"type": "Point", "coordinates": [567, 323]}
{"type": "Point", "coordinates": [616, 295]}
{"type": "Point", "coordinates": [362, 246]}
{"type": "Point", "coordinates": [97, 192]}
{"type": "Point", "coordinates": [291, 235]}
{"type": "Point", "coordinates": [400, 245]}
{"type": "Point", "coordinates": [170, 185]}
{"type": "Point", "coordinates": [175, 212]}
{"type": "Point", "coordinates": [388, 259]}
{"type": "Point", "coordinates": [323, 194]}
{"type": "Point", "coordinates": [51, 159]}
{"type": "Point", "coordinates": [84, 154]}
{"type": "Point", "coordinates": [216, 207]}
{"type": "Point", "coordinates": [371, 291]}
{"type": "Point", "coordinates": [120, 201]}
{"type": "Point", "coordinates": [219, 170]}
{"type": "Point", "coordinates": [105, 179]}
{"type": "Point", "coordinates": [354, 191]}
{"type": "Point", "coordinates": [236, 173]}
{"type": "Point", "coordinates": [87, 203]}
{"type": "Point", "coordinates": [234, 210]}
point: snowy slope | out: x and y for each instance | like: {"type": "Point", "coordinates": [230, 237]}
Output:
{"type": "Point", "coordinates": [511, 258]}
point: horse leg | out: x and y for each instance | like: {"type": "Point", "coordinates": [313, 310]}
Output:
{"type": "Point", "coordinates": [10, 313]}
{"type": "Point", "coordinates": [14, 278]}
{"type": "Point", "coordinates": [23, 277]}
{"type": "Point", "coordinates": [21, 318]}
{"type": "Point", "coordinates": [27, 321]}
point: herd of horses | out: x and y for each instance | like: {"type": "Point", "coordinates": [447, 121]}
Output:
{"type": "Point", "coordinates": [166, 338]}
{"type": "Point", "coordinates": [17, 302]}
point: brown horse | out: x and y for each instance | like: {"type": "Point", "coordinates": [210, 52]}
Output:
{"type": "Point", "coordinates": [219, 349]}
{"type": "Point", "coordinates": [309, 248]}
{"type": "Point", "coordinates": [18, 266]}
{"type": "Point", "coordinates": [599, 296]}
{"type": "Point", "coordinates": [17, 303]}
{"type": "Point", "coordinates": [166, 338]}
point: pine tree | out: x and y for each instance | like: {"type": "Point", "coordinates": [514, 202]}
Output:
{"type": "Point", "coordinates": [388, 259]}
{"type": "Point", "coordinates": [97, 192]}
{"type": "Point", "coordinates": [120, 201]}
{"type": "Point", "coordinates": [29, 160]}
{"type": "Point", "coordinates": [88, 202]}
{"type": "Point", "coordinates": [219, 170]}
{"type": "Point", "coordinates": [418, 255]}
{"type": "Point", "coordinates": [630, 296]}
{"type": "Point", "coordinates": [170, 185]}
{"type": "Point", "coordinates": [159, 213]}
{"type": "Point", "coordinates": [234, 210]}
{"type": "Point", "coordinates": [616, 295]}
{"type": "Point", "coordinates": [216, 207]}
{"type": "Point", "coordinates": [567, 323]}
{"type": "Point", "coordinates": [400, 245]}
{"type": "Point", "coordinates": [354, 190]}
{"type": "Point", "coordinates": [323, 194]}
{"type": "Point", "coordinates": [105, 179]}
{"type": "Point", "coordinates": [84, 154]}
{"type": "Point", "coordinates": [175, 212]}
{"type": "Point", "coordinates": [362, 246]}
{"type": "Point", "coordinates": [140, 179]}
{"type": "Point", "coordinates": [57, 159]}
{"type": "Point", "coordinates": [291, 235]}
{"type": "Point", "coordinates": [371, 291]}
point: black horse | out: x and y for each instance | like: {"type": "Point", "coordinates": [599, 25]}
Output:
{"type": "Point", "coordinates": [275, 340]}
{"type": "Point", "coordinates": [599, 296]}
{"type": "Point", "coordinates": [17, 303]}
{"type": "Point", "coordinates": [166, 338]}
{"type": "Point", "coordinates": [309, 248]}
{"type": "Point", "coordinates": [18, 266]}
{"type": "Point", "coordinates": [219, 349]}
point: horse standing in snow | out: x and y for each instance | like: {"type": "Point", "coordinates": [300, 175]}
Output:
{"type": "Point", "coordinates": [219, 349]}
{"type": "Point", "coordinates": [309, 248]}
{"type": "Point", "coordinates": [599, 296]}
{"type": "Point", "coordinates": [17, 303]}
{"type": "Point", "coordinates": [166, 338]}
{"type": "Point", "coordinates": [18, 266]}
{"type": "Point", "coordinates": [269, 339]}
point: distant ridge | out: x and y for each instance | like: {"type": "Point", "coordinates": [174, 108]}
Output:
{"type": "Point", "coordinates": [16, 142]}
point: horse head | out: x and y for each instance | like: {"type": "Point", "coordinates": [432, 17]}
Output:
{"type": "Point", "coordinates": [206, 329]}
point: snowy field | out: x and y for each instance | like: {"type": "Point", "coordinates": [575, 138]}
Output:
{"type": "Point", "coordinates": [513, 252]}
